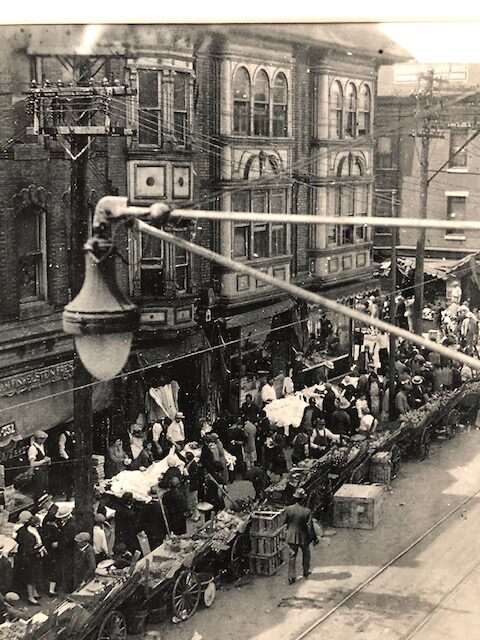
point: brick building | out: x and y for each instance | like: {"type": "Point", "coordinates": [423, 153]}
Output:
{"type": "Point", "coordinates": [246, 118]}
{"type": "Point", "coordinates": [453, 192]}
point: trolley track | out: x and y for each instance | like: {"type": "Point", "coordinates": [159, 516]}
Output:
{"type": "Point", "coordinates": [411, 633]}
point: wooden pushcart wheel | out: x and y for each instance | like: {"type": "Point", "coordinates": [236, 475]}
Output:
{"type": "Point", "coordinates": [423, 446]}
{"type": "Point", "coordinates": [453, 418]}
{"type": "Point", "coordinates": [239, 555]}
{"type": "Point", "coordinates": [186, 594]}
{"type": "Point", "coordinates": [396, 458]}
{"type": "Point", "coordinates": [113, 627]}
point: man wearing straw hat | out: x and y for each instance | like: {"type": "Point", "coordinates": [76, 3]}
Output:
{"type": "Point", "coordinates": [300, 534]}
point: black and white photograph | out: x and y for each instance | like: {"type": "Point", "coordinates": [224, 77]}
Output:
{"type": "Point", "coordinates": [239, 327]}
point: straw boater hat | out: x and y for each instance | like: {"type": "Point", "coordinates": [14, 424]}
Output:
{"type": "Point", "coordinates": [179, 415]}
{"type": "Point", "coordinates": [417, 380]}
{"type": "Point", "coordinates": [63, 512]}
{"type": "Point", "coordinates": [328, 364]}
{"type": "Point", "coordinates": [40, 435]}
{"type": "Point", "coordinates": [343, 403]}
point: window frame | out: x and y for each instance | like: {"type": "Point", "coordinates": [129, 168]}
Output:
{"type": "Point", "coordinates": [351, 101]}
{"type": "Point", "coordinates": [453, 158]}
{"type": "Point", "coordinates": [454, 234]}
{"type": "Point", "coordinates": [165, 105]}
{"type": "Point", "coordinates": [242, 109]}
{"type": "Point", "coordinates": [252, 228]}
{"type": "Point", "coordinates": [346, 199]}
{"type": "Point", "coordinates": [336, 110]}
{"type": "Point", "coordinates": [364, 111]}
{"type": "Point", "coordinates": [261, 107]}
{"type": "Point", "coordinates": [279, 105]}
{"type": "Point", "coordinates": [39, 255]}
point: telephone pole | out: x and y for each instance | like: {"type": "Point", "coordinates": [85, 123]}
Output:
{"type": "Point", "coordinates": [428, 132]}
{"type": "Point", "coordinates": [77, 113]}
{"type": "Point", "coordinates": [393, 313]}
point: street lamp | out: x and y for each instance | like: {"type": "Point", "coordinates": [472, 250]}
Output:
{"type": "Point", "coordinates": [101, 317]}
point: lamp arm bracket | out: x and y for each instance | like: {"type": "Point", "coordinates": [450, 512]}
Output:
{"type": "Point", "coordinates": [111, 208]}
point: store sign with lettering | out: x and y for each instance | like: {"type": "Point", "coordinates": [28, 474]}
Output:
{"type": "Point", "coordinates": [7, 430]}
{"type": "Point", "coordinates": [35, 379]}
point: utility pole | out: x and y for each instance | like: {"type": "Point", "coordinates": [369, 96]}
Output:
{"type": "Point", "coordinates": [425, 134]}
{"type": "Point", "coordinates": [393, 312]}
{"type": "Point", "coordinates": [55, 112]}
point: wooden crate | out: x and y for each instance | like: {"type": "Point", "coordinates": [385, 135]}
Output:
{"type": "Point", "coordinates": [381, 468]}
{"type": "Point", "coordinates": [267, 522]}
{"type": "Point", "coordinates": [267, 544]}
{"type": "Point", "coordinates": [358, 506]}
{"type": "Point", "coordinates": [267, 565]}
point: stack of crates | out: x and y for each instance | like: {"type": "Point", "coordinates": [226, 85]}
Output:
{"type": "Point", "coordinates": [381, 468]}
{"type": "Point", "coordinates": [98, 470]}
{"type": "Point", "coordinates": [267, 539]}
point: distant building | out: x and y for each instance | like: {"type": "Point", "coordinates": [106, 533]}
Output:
{"type": "Point", "coordinates": [454, 191]}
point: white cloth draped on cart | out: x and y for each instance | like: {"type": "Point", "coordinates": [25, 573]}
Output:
{"type": "Point", "coordinates": [166, 399]}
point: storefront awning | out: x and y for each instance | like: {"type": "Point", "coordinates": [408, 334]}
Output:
{"type": "Point", "coordinates": [343, 292]}
{"type": "Point", "coordinates": [172, 350]}
{"type": "Point", "coordinates": [436, 267]}
{"type": "Point", "coordinates": [41, 399]}
{"type": "Point", "coordinates": [262, 314]}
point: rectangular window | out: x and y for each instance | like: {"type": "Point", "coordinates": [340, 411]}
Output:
{"type": "Point", "coordinates": [180, 93]}
{"type": "Point", "coordinates": [458, 159]}
{"type": "Point", "coordinates": [152, 277]}
{"type": "Point", "coordinates": [279, 231]}
{"type": "Point", "coordinates": [384, 153]}
{"type": "Point", "coordinates": [181, 263]}
{"type": "Point", "coordinates": [241, 231]}
{"type": "Point", "coordinates": [456, 207]}
{"type": "Point", "coordinates": [280, 120]}
{"type": "Point", "coordinates": [260, 231]}
{"type": "Point", "coordinates": [30, 261]}
{"type": "Point", "coordinates": [149, 108]}
{"type": "Point", "coordinates": [259, 240]}
{"type": "Point", "coordinates": [241, 117]}
{"type": "Point", "coordinates": [361, 209]}
{"type": "Point", "coordinates": [260, 119]}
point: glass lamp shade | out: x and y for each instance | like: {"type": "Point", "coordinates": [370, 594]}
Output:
{"type": "Point", "coordinates": [104, 356]}
{"type": "Point", "coordinates": [101, 317]}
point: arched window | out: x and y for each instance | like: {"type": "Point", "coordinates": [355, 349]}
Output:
{"type": "Point", "coordinates": [280, 106]}
{"type": "Point", "coordinates": [336, 110]}
{"type": "Point", "coordinates": [241, 102]}
{"type": "Point", "coordinates": [364, 111]}
{"type": "Point", "coordinates": [351, 128]}
{"type": "Point", "coordinates": [261, 100]}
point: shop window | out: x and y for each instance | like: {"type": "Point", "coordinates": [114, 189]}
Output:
{"type": "Point", "coordinates": [261, 101]}
{"type": "Point", "coordinates": [360, 208]}
{"type": "Point", "coordinates": [280, 106]}
{"type": "Point", "coordinates": [259, 240]}
{"type": "Point", "coordinates": [31, 255]}
{"type": "Point", "coordinates": [364, 111]}
{"type": "Point", "coordinates": [458, 159]}
{"type": "Point", "coordinates": [456, 207]}
{"type": "Point", "coordinates": [159, 96]}
{"type": "Point", "coordinates": [384, 153]}
{"type": "Point", "coordinates": [351, 99]}
{"type": "Point", "coordinates": [336, 110]}
{"type": "Point", "coordinates": [241, 102]}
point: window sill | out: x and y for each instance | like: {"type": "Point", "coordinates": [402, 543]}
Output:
{"type": "Point", "coordinates": [454, 237]}
{"type": "Point", "coordinates": [457, 170]}
{"type": "Point", "coordinates": [34, 309]}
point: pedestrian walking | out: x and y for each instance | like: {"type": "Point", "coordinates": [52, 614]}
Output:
{"type": "Point", "coordinates": [50, 534]}
{"type": "Point", "coordinates": [300, 534]}
{"type": "Point", "coordinates": [39, 463]}
{"type": "Point", "coordinates": [250, 448]}
{"type": "Point", "coordinates": [66, 546]}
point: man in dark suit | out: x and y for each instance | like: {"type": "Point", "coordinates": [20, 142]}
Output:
{"type": "Point", "coordinates": [300, 533]}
